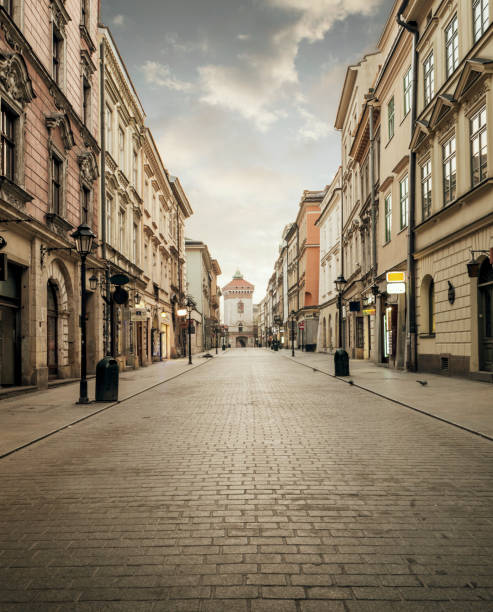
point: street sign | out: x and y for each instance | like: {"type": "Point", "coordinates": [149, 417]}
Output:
{"type": "Point", "coordinates": [369, 311]}
{"type": "Point", "coordinates": [396, 277]}
{"type": "Point", "coordinates": [119, 279]}
{"type": "Point", "coordinates": [139, 314]}
{"type": "Point", "coordinates": [394, 288]}
{"type": "Point", "coordinates": [301, 325]}
{"type": "Point", "coordinates": [354, 306]}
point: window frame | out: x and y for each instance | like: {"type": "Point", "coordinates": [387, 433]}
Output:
{"type": "Point", "coordinates": [480, 134]}
{"type": "Point", "coordinates": [407, 88]}
{"type": "Point", "coordinates": [9, 141]}
{"type": "Point", "coordinates": [451, 34]}
{"type": "Point", "coordinates": [391, 118]}
{"type": "Point", "coordinates": [429, 78]}
{"type": "Point", "coordinates": [388, 218]}
{"type": "Point", "coordinates": [449, 162]}
{"type": "Point", "coordinates": [484, 9]}
{"type": "Point", "coordinates": [404, 197]}
{"type": "Point", "coordinates": [121, 148]}
{"type": "Point", "coordinates": [56, 184]}
{"type": "Point", "coordinates": [426, 181]}
{"type": "Point", "coordinates": [58, 42]}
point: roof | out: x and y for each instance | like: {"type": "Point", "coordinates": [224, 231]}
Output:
{"type": "Point", "coordinates": [238, 282]}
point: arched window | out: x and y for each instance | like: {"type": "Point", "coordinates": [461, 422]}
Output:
{"type": "Point", "coordinates": [427, 305]}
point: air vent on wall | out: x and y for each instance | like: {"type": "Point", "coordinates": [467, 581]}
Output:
{"type": "Point", "coordinates": [444, 365]}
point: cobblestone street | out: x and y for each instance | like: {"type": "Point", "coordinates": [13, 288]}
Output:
{"type": "Point", "coordinates": [252, 484]}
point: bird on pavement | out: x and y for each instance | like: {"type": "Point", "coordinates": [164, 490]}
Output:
{"type": "Point", "coordinates": [422, 382]}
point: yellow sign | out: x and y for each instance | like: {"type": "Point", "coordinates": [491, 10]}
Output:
{"type": "Point", "coordinates": [396, 277]}
{"type": "Point", "coordinates": [369, 311]}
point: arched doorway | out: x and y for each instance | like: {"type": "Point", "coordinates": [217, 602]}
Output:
{"type": "Point", "coordinates": [52, 330]}
{"type": "Point", "coordinates": [241, 342]}
{"type": "Point", "coordinates": [485, 312]}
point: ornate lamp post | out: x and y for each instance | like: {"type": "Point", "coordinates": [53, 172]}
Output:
{"type": "Point", "coordinates": [341, 358]}
{"type": "Point", "coordinates": [293, 319]}
{"type": "Point", "coordinates": [84, 238]}
{"type": "Point", "coordinates": [189, 305]}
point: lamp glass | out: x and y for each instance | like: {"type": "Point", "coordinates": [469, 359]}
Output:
{"type": "Point", "coordinates": [164, 315]}
{"type": "Point", "coordinates": [182, 312]}
{"type": "Point", "coordinates": [340, 282]}
{"type": "Point", "coordinates": [84, 238]}
{"type": "Point", "coordinates": [93, 282]}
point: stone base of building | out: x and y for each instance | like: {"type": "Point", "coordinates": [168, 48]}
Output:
{"type": "Point", "coordinates": [450, 365]}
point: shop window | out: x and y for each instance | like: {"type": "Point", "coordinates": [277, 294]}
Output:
{"type": "Point", "coordinates": [360, 333]}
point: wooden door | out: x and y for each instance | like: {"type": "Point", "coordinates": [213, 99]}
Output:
{"type": "Point", "coordinates": [52, 331]}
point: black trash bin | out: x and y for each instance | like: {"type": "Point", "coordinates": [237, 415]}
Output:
{"type": "Point", "coordinates": [341, 363]}
{"type": "Point", "coordinates": [276, 345]}
{"type": "Point", "coordinates": [107, 380]}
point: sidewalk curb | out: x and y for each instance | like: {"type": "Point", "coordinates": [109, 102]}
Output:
{"type": "Point", "coordinates": [390, 399]}
{"type": "Point", "coordinates": [96, 412]}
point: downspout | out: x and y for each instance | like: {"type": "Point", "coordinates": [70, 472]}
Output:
{"type": "Point", "coordinates": [298, 265]}
{"type": "Point", "coordinates": [411, 329]}
{"type": "Point", "coordinates": [108, 327]}
{"type": "Point", "coordinates": [373, 210]}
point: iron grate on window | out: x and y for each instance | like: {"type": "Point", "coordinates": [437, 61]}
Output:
{"type": "Point", "coordinates": [444, 364]}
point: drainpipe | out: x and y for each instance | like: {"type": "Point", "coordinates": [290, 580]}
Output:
{"type": "Point", "coordinates": [108, 322]}
{"type": "Point", "coordinates": [411, 329]}
{"type": "Point", "coordinates": [298, 265]}
{"type": "Point", "coordinates": [373, 209]}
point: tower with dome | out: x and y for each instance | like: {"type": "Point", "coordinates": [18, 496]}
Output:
{"type": "Point", "coordinates": [238, 311]}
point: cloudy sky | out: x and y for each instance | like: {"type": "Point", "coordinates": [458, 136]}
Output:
{"type": "Point", "coordinates": [241, 98]}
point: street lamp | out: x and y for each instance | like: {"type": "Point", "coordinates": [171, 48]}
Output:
{"type": "Point", "coordinates": [84, 238]}
{"type": "Point", "coordinates": [341, 358]}
{"type": "Point", "coordinates": [293, 319]}
{"type": "Point", "coordinates": [189, 305]}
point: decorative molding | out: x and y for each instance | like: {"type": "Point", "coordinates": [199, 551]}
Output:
{"type": "Point", "coordinates": [14, 78]}
{"type": "Point", "coordinates": [13, 194]}
{"type": "Point", "coordinates": [84, 33]}
{"type": "Point", "coordinates": [60, 15]}
{"type": "Point", "coordinates": [62, 121]}
{"type": "Point", "coordinates": [87, 66]}
{"type": "Point", "coordinates": [88, 165]}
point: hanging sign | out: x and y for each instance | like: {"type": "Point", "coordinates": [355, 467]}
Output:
{"type": "Point", "coordinates": [396, 277]}
{"type": "Point", "coordinates": [394, 288]}
{"type": "Point", "coordinates": [119, 279]}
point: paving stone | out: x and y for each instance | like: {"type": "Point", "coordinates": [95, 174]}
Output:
{"type": "Point", "coordinates": [245, 484]}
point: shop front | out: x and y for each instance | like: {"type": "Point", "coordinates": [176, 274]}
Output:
{"type": "Point", "coordinates": [10, 321]}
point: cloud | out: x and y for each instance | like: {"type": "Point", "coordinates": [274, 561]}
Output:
{"type": "Point", "coordinates": [243, 37]}
{"type": "Point", "coordinates": [175, 43]}
{"type": "Point", "coordinates": [312, 128]}
{"type": "Point", "coordinates": [260, 82]}
{"type": "Point", "coordinates": [118, 20]}
{"type": "Point", "coordinates": [160, 75]}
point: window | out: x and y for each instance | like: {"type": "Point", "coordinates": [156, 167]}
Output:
{"type": "Point", "coordinates": [404, 201]}
{"type": "Point", "coordinates": [426, 188]}
{"type": "Point", "coordinates": [360, 333]}
{"type": "Point", "coordinates": [86, 101]}
{"type": "Point", "coordinates": [109, 129]}
{"type": "Point", "coordinates": [480, 17]}
{"type": "Point", "coordinates": [431, 307]}
{"type": "Point", "coordinates": [56, 184]}
{"type": "Point", "coordinates": [86, 201]}
{"type": "Point", "coordinates": [84, 17]}
{"type": "Point", "coordinates": [8, 143]}
{"type": "Point", "coordinates": [449, 170]}
{"type": "Point", "coordinates": [429, 78]}
{"type": "Point", "coordinates": [57, 56]}
{"type": "Point", "coordinates": [121, 222]}
{"type": "Point", "coordinates": [408, 88]}
{"type": "Point", "coordinates": [109, 218]}
{"type": "Point", "coordinates": [479, 146]}
{"type": "Point", "coordinates": [452, 46]}
{"type": "Point", "coordinates": [135, 168]}
{"type": "Point", "coordinates": [121, 148]}
{"type": "Point", "coordinates": [388, 217]}
{"type": "Point", "coordinates": [134, 244]}
{"type": "Point", "coordinates": [8, 5]}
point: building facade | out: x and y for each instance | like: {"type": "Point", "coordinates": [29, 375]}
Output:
{"type": "Point", "coordinates": [50, 152]}
{"type": "Point", "coordinates": [238, 311]}
{"type": "Point", "coordinates": [202, 273]}
{"type": "Point", "coordinates": [329, 224]}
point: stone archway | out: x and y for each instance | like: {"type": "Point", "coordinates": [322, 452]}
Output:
{"type": "Point", "coordinates": [59, 289]}
{"type": "Point", "coordinates": [241, 342]}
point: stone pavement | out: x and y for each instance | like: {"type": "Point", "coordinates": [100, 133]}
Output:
{"type": "Point", "coordinates": [251, 484]}
{"type": "Point", "coordinates": [30, 416]}
{"type": "Point", "coordinates": [466, 403]}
